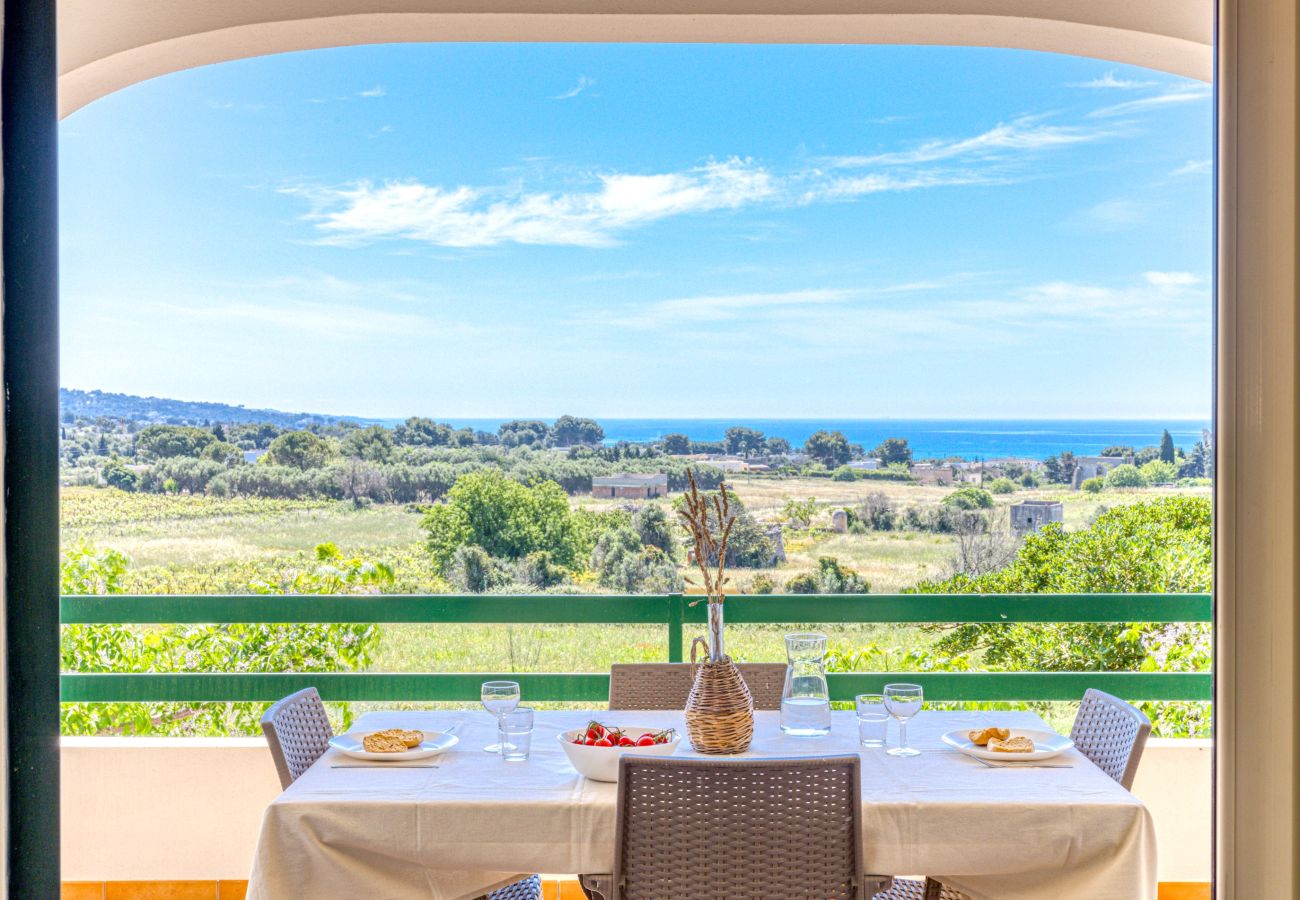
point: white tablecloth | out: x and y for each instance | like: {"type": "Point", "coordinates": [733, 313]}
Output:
{"type": "Point", "coordinates": [467, 826]}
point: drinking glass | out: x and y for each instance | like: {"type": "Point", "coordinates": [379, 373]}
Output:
{"type": "Point", "coordinates": [903, 701]}
{"type": "Point", "coordinates": [872, 719]}
{"type": "Point", "coordinates": [516, 733]}
{"type": "Point", "coordinates": [499, 698]}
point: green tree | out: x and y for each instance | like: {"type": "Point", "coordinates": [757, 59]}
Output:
{"type": "Point", "coordinates": [523, 433]}
{"type": "Point", "coordinates": [676, 444]}
{"type": "Point", "coordinates": [777, 446]}
{"type": "Point", "coordinates": [373, 444]}
{"type": "Point", "coordinates": [1060, 469]}
{"type": "Point", "coordinates": [1125, 476]}
{"type": "Point", "coordinates": [651, 525]}
{"type": "Point", "coordinates": [119, 476]}
{"type": "Point", "coordinates": [830, 448]}
{"type": "Point", "coordinates": [1167, 453]}
{"type": "Point", "coordinates": [163, 441]}
{"type": "Point", "coordinates": [623, 563]}
{"type": "Point", "coordinates": [570, 431]}
{"type": "Point", "coordinates": [741, 441]}
{"type": "Point", "coordinates": [507, 519]}
{"type": "Point", "coordinates": [298, 450]}
{"type": "Point", "coordinates": [421, 432]}
{"type": "Point", "coordinates": [1198, 463]}
{"type": "Point", "coordinates": [893, 450]}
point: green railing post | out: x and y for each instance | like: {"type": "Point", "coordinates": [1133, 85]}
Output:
{"type": "Point", "coordinates": [676, 610]}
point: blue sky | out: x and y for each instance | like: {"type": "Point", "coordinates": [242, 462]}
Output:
{"type": "Point", "coordinates": [680, 230]}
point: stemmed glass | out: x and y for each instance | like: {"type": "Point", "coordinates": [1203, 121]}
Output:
{"type": "Point", "coordinates": [903, 701]}
{"type": "Point", "coordinates": [499, 698]}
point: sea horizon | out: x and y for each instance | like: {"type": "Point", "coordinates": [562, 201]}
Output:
{"type": "Point", "coordinates": [928, 438]}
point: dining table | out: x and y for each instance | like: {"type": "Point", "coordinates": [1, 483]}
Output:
{"type": "Point", "coordinates": [466, 822]}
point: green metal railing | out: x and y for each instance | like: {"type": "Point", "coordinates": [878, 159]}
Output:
{"type": "Point", "coordinates": [673, 611]}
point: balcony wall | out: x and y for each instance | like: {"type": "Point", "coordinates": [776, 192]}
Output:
{"type": "Point", "coordinates": [165, 809]}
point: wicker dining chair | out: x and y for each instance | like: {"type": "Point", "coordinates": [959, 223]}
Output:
{"type": "Point", "coordinates": [298, 732]}
{"type": "Point", "coordinates": [713, 829]}
{"type": "Point", "coordinates": [666, 685]}
{"type": "Point", "coordinates": [1108, 731]}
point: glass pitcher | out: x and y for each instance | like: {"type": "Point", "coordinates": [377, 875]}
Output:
{"type": "Point", "coordinates": [806, 700]}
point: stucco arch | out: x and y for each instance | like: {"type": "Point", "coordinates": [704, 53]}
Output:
{"type": "Point", "coordinates": [106, 45]}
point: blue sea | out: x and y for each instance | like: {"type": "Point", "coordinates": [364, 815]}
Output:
{"type": "Point", "coordinates": [929, 438]}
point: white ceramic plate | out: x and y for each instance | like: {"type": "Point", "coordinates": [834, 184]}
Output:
{"type": "Point", "coordinates": [434, 742]}
{"type": "Point", "coordinates": [1046, 745]}
{"type": "Point", "coordinates": [601, 763]}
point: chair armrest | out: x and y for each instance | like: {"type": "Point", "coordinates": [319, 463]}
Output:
{"type": "Point", "coordinates": [876, 884]}
{"type": "Point", "coordinates": [598, 885]}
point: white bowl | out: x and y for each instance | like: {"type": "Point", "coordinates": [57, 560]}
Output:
{"type": "Point", "coordinates": [601, 763]}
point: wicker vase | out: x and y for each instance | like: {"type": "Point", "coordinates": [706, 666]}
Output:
{"type": "Point", "coordinates": [719, 708]}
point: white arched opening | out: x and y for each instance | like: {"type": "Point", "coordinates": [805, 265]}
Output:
{"type": "Point", "coordinates": [106, 45]}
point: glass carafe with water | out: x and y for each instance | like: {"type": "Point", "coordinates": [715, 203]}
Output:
{"type": "Point", "coordinates": [806, 700]}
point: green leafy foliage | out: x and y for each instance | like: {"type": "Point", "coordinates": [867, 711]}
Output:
{"type": "Point", "coordinates": [969, 497]}
{"type": "Point", "coordinates": [507, 519]}
{"type": "Point", "coordinates": [1001, 486]}
{"type": "Point", "coordinates": [1125, 476]}
{"type": "Point", "coordinates": [1093, 485]}
{"type": "Point", "coordinates": [830, 448]}
{"type": "Point", "coordinates": [1159, 546]}
{"type": "Point", "coordinates": [298, 450]}
{"type": "Point", "coordinates": [830, 577]}
{"type": "Point", "coordinates": [210, 648]}
{"type": "Point", "coordinates": [894, 451]}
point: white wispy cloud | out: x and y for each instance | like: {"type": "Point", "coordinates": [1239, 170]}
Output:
{"type": "Point", "coordinates": [1109, 215]}
{"type": "Point", "coordinates": [967, 307]}
{"type": "Point", "coordinates": [480, 217]}
{"type": "Point", "coordinates": [1110, 82]}
{"type": "Point", "coordinates": [583, 83]}
{"type": "Point", "coordinates": [1193, 167]}
{"type": "Point", "coordinates": [376, 91]}
{"type": "Point", "coordinates": [1174, 96]}
{"type": "Point", "coordinates": [1171, 279]}
{"type": "Point", "coordinates": [1027, 133]}
{"type": "Point", "coordinates": [599, 212]}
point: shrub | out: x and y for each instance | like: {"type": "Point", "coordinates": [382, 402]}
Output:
{"type": "Point", "coordinates": [876, 512]}
{"type": "Point", "coordinates": [1125, 476]}
{"type": "Point", "coordinates": [969, 497]}
{"type": "Point", "coordinates": [473, 569]}
{"type": "Point", "coordinates": [1159, 472]}
{"type": "Point", "coordinates": [761, 583]}
{"type": "Point", "coordinates": [1002, 486]}
{"type": "Point", "coordinates": [1093, 485]}
{"type": "Point", "coordinates": [1029, 480]}
{"type": "Point", "coordinates": [830, 577]}
{"type": "Point", "coordinates": [653, 528]}
{"type": "Point", "coordinates": [844, 473]}
{"type": "Point", "coordinates": [119, 476]}
{"type": "Point", "coordinates": [623, 563]}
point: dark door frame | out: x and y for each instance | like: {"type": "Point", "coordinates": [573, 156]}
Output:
{"type": "Point", "coordinates": [29, 134]}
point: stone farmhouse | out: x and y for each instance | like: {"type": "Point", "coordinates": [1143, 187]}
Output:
{"type": "Point", "coordinates": [629, 486]}
{"type": "Point", "coordinates": [1032, 515]}
{"type": "Point", "coordinates": [1096, 467]}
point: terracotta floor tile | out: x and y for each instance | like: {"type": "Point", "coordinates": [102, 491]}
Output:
{"type": "Point", "coordinates": [160, 890]}
{"type": "Point", "coordinates": [1184, 890]}
{"type": "Point", "coordinates": [231, 890]}
{"type": "Point", "coordinates": [82, 890]}
{"type": "Point", "coordinates": [569, 890]}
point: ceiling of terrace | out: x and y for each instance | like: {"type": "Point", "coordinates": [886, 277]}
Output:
{"type": "Point", "coordinates": [106, 45]}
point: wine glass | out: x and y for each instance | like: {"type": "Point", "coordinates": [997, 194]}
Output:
{"type": "Point", "coordinates": [903, 701]}
{"type": "Point", "coordinates": [499, 698]}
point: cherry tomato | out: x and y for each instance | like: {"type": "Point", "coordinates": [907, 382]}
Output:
{"type": "Point", "coordinates": [625, 741]}
{"type": "Point", "coordinates": [590, 742]}
{"type": "Point", "coordinates": [646, 740]}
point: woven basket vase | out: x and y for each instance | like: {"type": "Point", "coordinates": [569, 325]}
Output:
{"type": "Point", "coordinates": [719, 708]}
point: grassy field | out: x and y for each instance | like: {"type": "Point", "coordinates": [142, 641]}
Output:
{"type": "Point", "coordinates": [182, 544]}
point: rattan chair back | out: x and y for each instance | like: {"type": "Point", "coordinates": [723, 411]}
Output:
{"type": "Point", "coordinates": [666, 685]}
{"type": "Point", "coordinates": [1112, 734]}
{"type": "Point", "coordinates": [711, 829]}
{"type": "Point", "coordinates": [298, 732]}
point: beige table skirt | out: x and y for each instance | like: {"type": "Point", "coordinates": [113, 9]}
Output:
{"type": "Point", "coordinates": [476, 821]}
